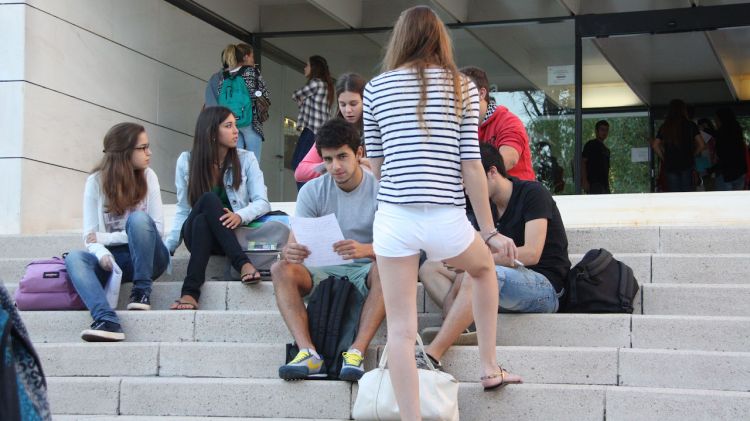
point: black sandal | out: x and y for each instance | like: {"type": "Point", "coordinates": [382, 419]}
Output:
{"type": "Point", "coordinates": [250, 278]}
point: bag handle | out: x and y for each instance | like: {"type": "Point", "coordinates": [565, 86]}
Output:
{"type": "Point", "coordinates": [420, 346]}
{"type": "Point", "coordinates": [599, 263]}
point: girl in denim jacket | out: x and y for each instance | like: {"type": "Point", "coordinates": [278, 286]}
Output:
{"type": "Point", "coordinates": [219, 187]}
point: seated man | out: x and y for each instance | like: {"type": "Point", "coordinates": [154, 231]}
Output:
{"type": "Point", "coordinates": [525, 212]}
{"type": "Point", "coordinates": [350, 193]}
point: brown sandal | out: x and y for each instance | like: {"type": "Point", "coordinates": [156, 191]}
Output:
{"type": "Point", "coordinates": [489, 384]}
{"type": "Point", "coordinates": [250, 278]}
{"type": "Point", "coordinates": [179, 305]}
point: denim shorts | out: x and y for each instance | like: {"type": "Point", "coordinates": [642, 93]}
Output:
{"type": "Point", "coordinates": [524, 291]}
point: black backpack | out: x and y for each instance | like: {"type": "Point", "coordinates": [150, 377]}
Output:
{"type": "Point", "coordinates": [600, 284]}
{"type": "Point", "coordinates": [333, 317]}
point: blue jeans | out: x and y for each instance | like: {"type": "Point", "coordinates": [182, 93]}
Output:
{"type": "Point", "coordinates": [524, 291]}
{"type": "Point", "coordinates": [250, 140]}
{"type": "Point", "coordinates": [680, 181]}
{"type": "Point", "coordinates": [142, 260]}
{"type": "Point", "coordinates": [736, 184]}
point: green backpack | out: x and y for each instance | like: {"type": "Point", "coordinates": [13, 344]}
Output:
{"type": "Point", "coordinates": [235, 96]}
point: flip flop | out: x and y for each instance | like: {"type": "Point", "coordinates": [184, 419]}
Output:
{"type": "Point", "coordinates": [177, 303]}
{"type": "Point", "coordinates": [250, 278]}
{"type": "Point", "coordinates": [489, 384]}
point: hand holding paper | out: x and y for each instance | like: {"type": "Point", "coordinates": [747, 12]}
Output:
{"type": "Point", "coordinates": [319, 235]}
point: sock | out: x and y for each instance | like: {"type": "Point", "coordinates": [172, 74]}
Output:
{"type": "Point", "coordinates": [315, 353]}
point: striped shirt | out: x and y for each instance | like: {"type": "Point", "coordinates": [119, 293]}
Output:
{"type": "Point", "coordinates": [313, 105]}
{"type": "Point", "coordinates": [420, 167]}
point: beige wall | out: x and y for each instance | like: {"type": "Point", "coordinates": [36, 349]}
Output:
{"type": "Point", "coordinates": [71, 69]}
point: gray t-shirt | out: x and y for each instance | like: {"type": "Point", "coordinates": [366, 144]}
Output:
{"type": "Point", "coordinates": [355, 210]}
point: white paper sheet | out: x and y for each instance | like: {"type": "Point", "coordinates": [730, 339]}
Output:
{"type": "Point", "coordinates": [319, 234]}
{"type": "Point", "coordinates": [112, 290]}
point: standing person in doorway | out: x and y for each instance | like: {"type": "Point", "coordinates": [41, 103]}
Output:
{"type": "Point", "coordinates": [123, 223]}
{"type": "Point", "coordinates": [349, 89]}
{"type": "Point", "coordinates": [595, 166]}
{"type": "Point", "coordinates": [239, 62]}
{"type": "Point", "coordinates": [677, 143]}
{"type": "Point", "coordinates": [731, 149]}
{"type": "Point", "coordinates": [219, 187]}
{"type": "Point", "coordinates": [315, 101]}
{"type": "Point", "coordinates": [421, 120]}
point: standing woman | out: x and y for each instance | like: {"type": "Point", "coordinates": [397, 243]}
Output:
{"type": "Point", "coordinates": [219, 187]}
{"type": "Point", "coordinates": [677, 143]}
{"type": "Point", "coordinates": [122, 224]}
{"type": "Point", "coordinates": [421, 129]}
{"type": "Point", "coordinates": [240, 60]}
{"type": "Point", "coordinates": [731, 151]}
{"type": "Point", "coordinates": [349, 89]}
{"type": "Point", "coordinates": [315, 101]}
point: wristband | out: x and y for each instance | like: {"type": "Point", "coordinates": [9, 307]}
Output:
{"type": "Point", "coordinates": [492, 234]}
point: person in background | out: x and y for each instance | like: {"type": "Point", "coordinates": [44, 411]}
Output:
{"type": "Point", "coordinates": [502, 129]}
{"type": "Point", "coordinates": [219, 188]}
{"type": "Point", "coordinates": [239, 60]}
{"type": "Point", "coordinates": [122, 224]}
{"type": "Point", "coordinates": [677, 143]}
{"type": "Point", "coordinates": [731, 150]}
{"type": "Point", "coordinates": [315, 101]}
{"type": "Point", "coordinates": [705, 161]}
{"type": "Point", "coordinates": [349, 88]}
{"type": "Point", "coordinates": [595, 166]}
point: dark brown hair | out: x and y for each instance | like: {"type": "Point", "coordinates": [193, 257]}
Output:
{"type": "Point", "coordinates": [672, 129]}
{"type": "Point", "coordinates": [478, 76]}
{"type": "Point", "coordinates": [204, 175]}
{"type": "Point", "coordinates": [351, 82]}
{"type": "Point", "coordinates": [319, 70]}
{"type": "Point", "coordinates": [123, 185]}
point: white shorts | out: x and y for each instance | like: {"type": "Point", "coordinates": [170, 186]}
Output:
{"type": "Point", "coordinates": [442, 232]}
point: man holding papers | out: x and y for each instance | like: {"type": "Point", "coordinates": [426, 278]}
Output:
{"type": "Point", "coordinates": [349, 193]}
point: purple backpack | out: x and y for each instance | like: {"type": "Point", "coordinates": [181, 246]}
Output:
{"type": "Point", "coordinates": [45, 286]}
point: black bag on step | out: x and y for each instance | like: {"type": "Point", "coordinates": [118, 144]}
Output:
{"type": "Point", "coordinates": [599, 283]}
{"type": "Point", "coordinates": [333, 317]}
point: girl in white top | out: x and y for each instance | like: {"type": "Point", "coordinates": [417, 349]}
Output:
{"type": "Point", "coordinates": [123, 224]}
{"type": "Point", "coordinates": [421, 130]}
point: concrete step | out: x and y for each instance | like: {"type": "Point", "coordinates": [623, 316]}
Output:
{"type": "Point", "coordinates": [157, 418]}
{"type": "Point", "coordinates": [177, 397]}
{"type": "Point", "coordinates": [221, 295]}
{"type": "Point", "coordinates": [701, 268]}
{"type": "Point", "coordinates": [543, 365]}
{"type": "Point", "coordinates": [577, 330]}
{"type": "Point", "coordinates": [696, 299]}
{"type": "Point", "coordinates": [616, 239]}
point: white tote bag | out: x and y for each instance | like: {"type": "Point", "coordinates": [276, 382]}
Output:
{"type": "Point", "coordinates": [112, 290]}
{"type": "Point", "coordinates": [438, 394]}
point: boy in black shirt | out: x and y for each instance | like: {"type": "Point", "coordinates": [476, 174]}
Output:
{"type": "Point", "coordinates": [525, 212]}
{"type": "Point", "coordinates": [595, 168]}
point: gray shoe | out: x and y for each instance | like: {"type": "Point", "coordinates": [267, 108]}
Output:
{"type": "Point", "coordinates": [422, 362]}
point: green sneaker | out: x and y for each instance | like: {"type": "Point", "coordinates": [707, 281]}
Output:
{"type": "Point", "coordinates": [304, 366]}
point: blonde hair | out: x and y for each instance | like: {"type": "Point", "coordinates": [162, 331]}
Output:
{"type": "Point", "coordinates": [233, 55]}
{"type": "Point", "coordinates": [420, 40]}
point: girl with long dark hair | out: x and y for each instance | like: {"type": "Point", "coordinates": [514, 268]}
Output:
{"type": "Point", "coordinates": [677, 143]}
{"type": "Point", "coordinates": [122, 224]}
{"type": "Point", "coordinates": [349, 89]}
{"type": "Point", "coordinates": [315, 101]}
{"type": "Point", "coordinates": [421, 120]}
{"type": "Point", "coordinates": [219, 188]}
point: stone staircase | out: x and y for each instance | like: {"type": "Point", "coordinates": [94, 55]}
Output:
{"type": "Point", "coordinates": [683, 355]}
